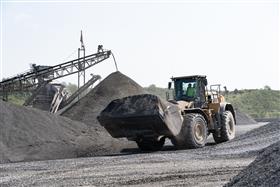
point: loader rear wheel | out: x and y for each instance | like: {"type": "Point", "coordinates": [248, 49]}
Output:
{"type": "Point", "coordinates": [150, 144]}
{"type": "Point", "coordinates": [227, 131]}
{"type": "Point", "coordinates": [193, 133]}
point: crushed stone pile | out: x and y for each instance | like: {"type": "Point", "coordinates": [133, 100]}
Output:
{"type": "Point", "coordinates": [243, 119]}
{"type": "Point", "coordinates": [28, 134]}
{"type": "Point", "coordinates": [86, 110]}
{"type": "Point", "coordinates": [250, 143]}
{"type": "Point", "coordinates": [264, 171]}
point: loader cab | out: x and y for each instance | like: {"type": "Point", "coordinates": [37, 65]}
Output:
{"type": "Point", "coordinates": [190, 88]}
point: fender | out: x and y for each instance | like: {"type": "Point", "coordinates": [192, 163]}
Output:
{"type": "Point", "coordinates": [227, 107]}
{"type": "Point", "coordinates": [200, 111]}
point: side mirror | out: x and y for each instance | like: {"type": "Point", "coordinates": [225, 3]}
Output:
{"type": "Point", "coordinates": [205, 82]}
{"type": "Point", "coordinates": [169, 85]}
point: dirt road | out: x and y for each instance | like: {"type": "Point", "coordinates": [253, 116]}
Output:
{"type": "Point", "coordinates": [213, 165]}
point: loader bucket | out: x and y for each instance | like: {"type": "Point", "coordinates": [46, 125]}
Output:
{"type": "Point", "coordinates": [141, 116]}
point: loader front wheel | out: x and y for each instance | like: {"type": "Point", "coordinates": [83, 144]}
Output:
{"type": "Point", "coordinates": [193, 133]}
{"type": "Point", "coordinates": [150, 144]}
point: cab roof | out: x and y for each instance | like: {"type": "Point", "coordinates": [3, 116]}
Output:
{"type": "Point", "coordinates": [189, 77]}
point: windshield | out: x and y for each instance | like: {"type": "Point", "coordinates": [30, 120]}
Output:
{"type": "Point", "coordinates": [185, 89]}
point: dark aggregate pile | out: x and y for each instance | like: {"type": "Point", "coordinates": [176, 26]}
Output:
{"type": "Point", "coordinates": [28, 134]}
{"type": "Point", "coordinates": [86, 110]}
{"type": "Point", "coordinates": [264, 171]}
{"type": "Point", "coordinates": [251, 142]}
{"type": "Point", "coordinates": [243, 119]}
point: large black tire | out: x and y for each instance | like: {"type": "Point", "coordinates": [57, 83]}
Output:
{"type": "Point", "coordinates": [193, 133]}
{"type": "Point", "coordinates": [150, 144]}
{"type": "Point", "coordinates": [227, 131]}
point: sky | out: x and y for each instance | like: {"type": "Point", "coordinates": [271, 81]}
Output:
{"type": "Point", "coordinates": [235, 43]}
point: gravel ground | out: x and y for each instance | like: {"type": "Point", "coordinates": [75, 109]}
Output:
{"type": "Point", "coordinates": [213, 165]}
{"type": "Point", "coordinates": [181, 167]}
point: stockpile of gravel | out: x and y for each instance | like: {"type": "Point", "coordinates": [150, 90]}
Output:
{"type": "Point", "coordinates": [29, 134]}
{"type": "Point", "coordinates": [86, 110]}
{"type": "Point", "coordinates": [251, 142]}
{"type": "Point", "coordinates": [243, 119]}
{"type": "Point", "coordinates": [264, 171]}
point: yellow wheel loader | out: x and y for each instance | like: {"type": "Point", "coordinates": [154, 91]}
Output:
{"type": "Point", "coordinates": [187, 120]}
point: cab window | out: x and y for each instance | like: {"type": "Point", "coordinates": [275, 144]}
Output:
{"type": "Point", "coordinates": [185, 89]}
